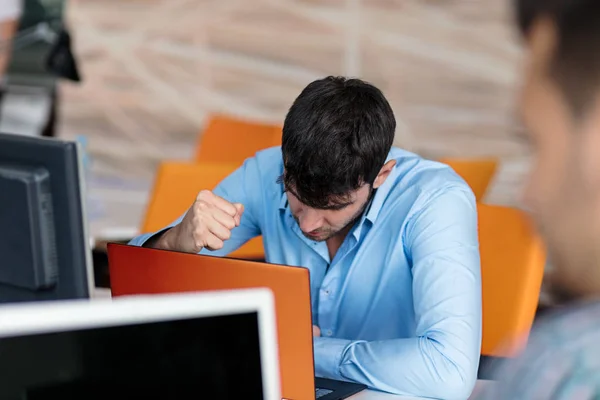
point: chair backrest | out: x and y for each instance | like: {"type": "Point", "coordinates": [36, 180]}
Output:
{"type": "Point", "coordinates": [175, 188]}
{"type": "Point", "coordinates": [512, 268]}
{"type": "Point", "coordinates": [231, 140]}
{"type": "Point", "coordinates": [477, 172]}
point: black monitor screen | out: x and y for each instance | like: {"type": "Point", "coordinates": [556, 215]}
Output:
{"type": "Point", "coordinates": [203, 358]}
{"type": "Point", "coordinates": [43, 240]}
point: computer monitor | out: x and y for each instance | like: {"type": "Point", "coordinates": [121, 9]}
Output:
{"type": "Point", "coordinates": [212, 345]}
{"type": "Point", "coordinates": [44, 244]}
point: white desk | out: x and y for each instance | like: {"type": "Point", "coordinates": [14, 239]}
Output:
{"type": "Point", "coordinates": [373, 395]}
{"type": "Point", "coordinates": [101, 293]}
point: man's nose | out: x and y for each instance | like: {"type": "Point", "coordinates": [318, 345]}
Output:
{"type": "Point", "coordinates": [310, 221]}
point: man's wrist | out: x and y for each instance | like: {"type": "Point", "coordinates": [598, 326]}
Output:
{"type": "Point", "coordinates": [328, 353]}
{"type": "Point", "coordinates": [162, 240]}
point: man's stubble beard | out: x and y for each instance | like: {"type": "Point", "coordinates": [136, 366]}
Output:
{"type": "Point", "coordinates": [348, 225]}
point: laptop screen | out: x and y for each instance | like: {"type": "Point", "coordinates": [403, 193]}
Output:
{"type": "Point", "coordinates": [203, 358]}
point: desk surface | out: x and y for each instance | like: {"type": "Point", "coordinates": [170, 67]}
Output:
{"type": "Point", "coordinates": [373, 395]}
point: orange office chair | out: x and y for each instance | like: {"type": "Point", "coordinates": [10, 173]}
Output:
{"type": "Point", "coordinates": [232, 140]}
{"type": "Point", "coordinates": [175, 188]}
{"type": "Point", "coordinates": [512, 267]}
{"type": "Point", "coordinates": [478, 173]}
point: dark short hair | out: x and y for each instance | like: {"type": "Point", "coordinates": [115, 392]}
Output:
{"type": "Point", "coordinates": [575, 66]}
{"type": "Point", "coordinates": [336, 138]}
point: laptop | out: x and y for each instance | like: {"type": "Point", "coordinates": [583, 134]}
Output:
{"type": "Point", "coordinates": [137, 270]}
{"type": "Point", "coordinates": [217, 345]}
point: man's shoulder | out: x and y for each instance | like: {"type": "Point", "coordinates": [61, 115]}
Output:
{"type": "Point", "coordinates": [262, 172]}
{"type": "Point", "coordinates": [423, 178]}
{"type": "Point", "coordinates": [270, 154]}
{"type": "Point", "coordinates": [267, 163]}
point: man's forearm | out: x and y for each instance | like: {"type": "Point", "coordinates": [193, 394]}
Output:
{"type": "Point", "coordinates": [413, 366]}
{"type": "Point", "coordinates": [161, 240]}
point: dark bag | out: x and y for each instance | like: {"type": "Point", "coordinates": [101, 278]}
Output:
{"type": "Point", "coordinates": [61, 60]}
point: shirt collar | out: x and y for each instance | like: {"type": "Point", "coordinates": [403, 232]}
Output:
{"type": "Point", "coordinates": [283, 203]}
{"type": "Point", "coordinates": [381, 194]}
{"type": "Point", "coordinates": [372, 211]}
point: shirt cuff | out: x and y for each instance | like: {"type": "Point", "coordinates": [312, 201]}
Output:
{"type": "Point", "coordinates": [142, 239]}
{"type": "Point", "coordinates": [328, 357]}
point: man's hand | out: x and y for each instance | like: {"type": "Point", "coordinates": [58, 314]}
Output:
{"type": "Point", "coordinates": [207, 224]}
{"type": "Point", "coordinates": [316, 331]}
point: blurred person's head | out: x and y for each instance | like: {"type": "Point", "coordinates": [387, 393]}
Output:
{"type": "Point", "coordinates": [336, 138]}
{"type": "Point", "coordinates": [561, 110]}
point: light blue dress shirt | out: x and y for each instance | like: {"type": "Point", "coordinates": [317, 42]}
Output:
{"type": "Point", "coordinates": [399, 306]}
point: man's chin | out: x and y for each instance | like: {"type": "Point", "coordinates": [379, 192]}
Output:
{"type": "Point", "coordinates": [316, 238]}
{"type": "Point", "coordinates": [319, 237]}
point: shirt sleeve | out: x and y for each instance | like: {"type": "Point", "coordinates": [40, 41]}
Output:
{"type": "Point", "coordinates": [442, 360]}
{"type": "Point", "coordinates": [242, 186]}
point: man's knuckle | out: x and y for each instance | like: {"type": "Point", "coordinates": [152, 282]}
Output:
{"type": "Point", "coordinates": [230, 223]}
{"type": "Point", "coordinates": [200, 231]}
{"type": "Point", "coordinates": [201, 205]}
{"type": "Point", "coordinates": [204, 194]}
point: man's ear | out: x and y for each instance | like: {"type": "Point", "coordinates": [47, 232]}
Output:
{"type": "Point", "coordinates": [384, 172]}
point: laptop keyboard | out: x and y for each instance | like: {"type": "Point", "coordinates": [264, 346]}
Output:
{"type": "Point", "coordinates": [322, 392]}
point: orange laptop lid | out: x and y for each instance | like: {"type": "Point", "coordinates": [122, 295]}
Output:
{"type": "Point", "coordinates": [137, 270]}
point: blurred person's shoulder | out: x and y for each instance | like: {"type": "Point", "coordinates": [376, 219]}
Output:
{"type": "Point", "coordinates": [561, 360]}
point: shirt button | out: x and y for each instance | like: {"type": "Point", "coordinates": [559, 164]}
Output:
{"type": "Point", "coordinates": [329, 333]}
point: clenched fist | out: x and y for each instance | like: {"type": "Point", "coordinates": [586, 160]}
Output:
{"type": "Point", "coordinates": [207, 224]}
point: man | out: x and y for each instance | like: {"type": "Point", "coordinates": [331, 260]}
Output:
{"type": "Point", "coordinates": [561, 109]}
{"type": "Point", "coordinates": [390, 240]}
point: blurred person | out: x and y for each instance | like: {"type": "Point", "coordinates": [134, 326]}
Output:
{"type": "Point", "coordinates": [10, 11]}
{"type": "Point", "coordinates": [390, 240]}
{"type": "Point", "coordinates": [560, 106]}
